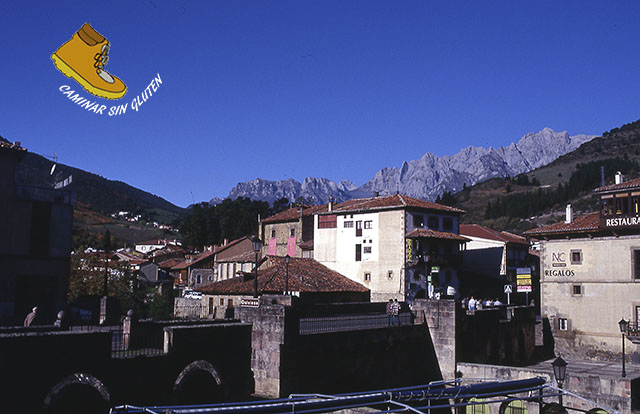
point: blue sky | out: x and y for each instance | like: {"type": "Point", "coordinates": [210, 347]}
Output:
{"type": "Point", "coordinates": [335, 89]}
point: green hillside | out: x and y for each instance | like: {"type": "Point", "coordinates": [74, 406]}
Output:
{"type": "Point", "coordinates": [515, 204]}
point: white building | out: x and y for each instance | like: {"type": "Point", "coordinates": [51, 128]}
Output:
{"type": "Point", "coordinates": [397, 246]}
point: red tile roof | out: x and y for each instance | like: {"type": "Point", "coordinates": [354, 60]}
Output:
{"type": "Point", "coordinates": [243, 257]}
{"type": "Point", "coordinates": [293, 214]}
{"type": "Point", "coordinates": [396, 201]}
{"type": "Point", "coordinates": [11, 146]}
{"type": "Point", "coordinates": [586, 223]}
{"type": "Point", "coordinates": [206, 254]}
{"type": "Point", "coordinates": [154, 242]}
{"type": "Point", "coordinates": [622, 186]}
{"type": "Point", "coordinates": [432, 234]}
{"type": "Point", "coordinates": [308, 245]}
{"type": "Point", "coordinates": [167, 264]}
{"type": "Point", "coordinates": [476, 230]}
{"type": "Point", "coordinates": [305, 275]}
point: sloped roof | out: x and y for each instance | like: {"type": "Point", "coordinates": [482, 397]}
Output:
{"type": "Point", "coordinates": [243, 257]}
{"type": "Point", "coordinates": [293, 213]}
{"type": "Point", "coordinates": [622, 186]}
{"type": "Point", "coordinates": [206, 254]}
{"type": "Point", "coordinates": [477, 230]}
{"type": "Point", "coordinates": [305, 275]}
{"type": "Point", "coordinates": [170, 263]}
{"type": "Point", "coordinates": [433, 234]}
{"type": "Point", "coordinates": [11, 146]}
{"type": "Point", "coordinates": [396, 201]}
{"type": "Point", "coordinates": [585, 223]}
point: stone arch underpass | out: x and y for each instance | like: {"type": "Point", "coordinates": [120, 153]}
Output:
{"type": "Point", "coordinates": [198, 383]}
{"type": "Point", "coordinates": [77, 393]}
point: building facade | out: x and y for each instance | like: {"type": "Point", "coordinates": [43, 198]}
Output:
{"type": "Point", "coordinates": [397, 246]}
{"type": "Point", "coordinates": [35, 243]}
{"type": "Point", "coordinates": [290, 232]}
{"type": "Point", "coordinates": [590, 273]}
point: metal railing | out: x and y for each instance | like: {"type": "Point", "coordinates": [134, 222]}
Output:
{"type": "Point", "coordinates": [124, 345]}
{"type": "Point", "coordinates": [342, 323]}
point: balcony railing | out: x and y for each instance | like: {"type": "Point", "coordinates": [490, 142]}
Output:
{"type": "Point", "coordinates": [44, 194]}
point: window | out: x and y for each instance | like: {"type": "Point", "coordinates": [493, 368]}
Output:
{"type": "Point", "coordinates": [293, 232]}
{"type": "Point", "coordinates": [368, 224]}
{"type": "Point", "coordinates": [40, 232]}
{"type": "Point", "coordinates": [230, 303]}
{"type": "Point", "coordinates": [198, 279]}
{"type": "Point", "coordinates": [358, 228]}
{"type": "Point", "coordinates": [348, 224]}
{"type": "Point", "coordinates": [210, 306]}
{"type": "Point", "coordinates": [367, 249]}
{"type": "Point", "coordinates": [327, 221]}
{"type": "Point", "coordinates": [367, 276]}
{"type": "Point", "coordinates": [390, 274]}
{"type": "Point", "coordinates": [636, 263]}
{"type": "Point", "coordinates": [447, 223]}
{"type": "Point", "coordinates": [576, 290]}
{"type": "Point", "coordinates": [358, 252]}
{"type": "Point", "coordinates": [434, 222]}
{"type": "Point", "coordinates": [563, 324]}
{"type": "Point", "coordinates": [273, 233]}
{"type": "Point", "coordinates": [576, 257]}
{"type": "Point", "coordinates": [221, 301]}
{"type": "Point", "coordinates": [418, 221]}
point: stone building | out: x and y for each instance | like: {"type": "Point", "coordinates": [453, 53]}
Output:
{"type": "Point", "coordinates": [491, 260]}
{"type": "Point", "coordinates": [305, 279]}
{"type": "Point", "coordinates": [590, 273]}
{"type": "Point", "coordinates": [397, 246]}
{"type": "Point", "coordinates": [290, 232]}
{"type": "Point", "coordinates": [35, 243]}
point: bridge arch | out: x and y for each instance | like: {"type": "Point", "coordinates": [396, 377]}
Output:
{"type": "Point", "coordinates": [77, 393]}
{"type": "Point", "coordinates": [198, 383]}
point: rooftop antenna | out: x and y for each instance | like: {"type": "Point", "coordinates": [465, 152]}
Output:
{"type": "Point", "coordinates": [193, 199]}
{"type": "Point", "coordinates": [53, 157]}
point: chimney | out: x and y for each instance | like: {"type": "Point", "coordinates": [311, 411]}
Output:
{"type": "Point", "coordinates": [619, 178]}
{"type": "Point", "coordinates": [330, 205]}
{"type": "Point", "coordinates": [569, 214]}
{"type": "Point", "coordinates": [602, 176]}
{"type": "Point", "coordinates": [377, 193]}
{"type": "Point", "coordinates": [17, 144]}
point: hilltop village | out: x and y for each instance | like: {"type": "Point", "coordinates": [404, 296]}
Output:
{"type": "Point", "coordinates": [370, 293]}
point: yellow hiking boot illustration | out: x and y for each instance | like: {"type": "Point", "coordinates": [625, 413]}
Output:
{"type": "Point", "coordinates": [83, 58]}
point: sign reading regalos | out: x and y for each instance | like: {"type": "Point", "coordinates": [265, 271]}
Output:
{"type": "Point", "coordinates": [559, 260]}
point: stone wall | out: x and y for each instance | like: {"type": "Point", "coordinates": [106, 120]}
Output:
{"type": "Point", "coordinates": [612, 392]}
{"type": "Point", "coordinates": [441, 319]}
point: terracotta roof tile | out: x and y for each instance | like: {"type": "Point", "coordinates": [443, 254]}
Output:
{"type": "Point", "coordinates": [588, 222]}
{"type": "Point", "coordinates": [243, 257]}
{"type": "Point", "coordinates": [477, 230]}
{"type": "Point", "coordinates": [432, 234]}
{"type": "Point", "coordinates": [396, 201]}
{"type": "Point", "coordinates": [11, 146]}
{"type": "Point", "coordinates": [293, 214]}
{"type": "Point", "coordinates": [167, 264]}
{"type": "Point", "coordinates": [305, 275]}
{"type": "Point", "coordinates": [308, 245]}
{"type": "Point", "coordinates": [622, 186]}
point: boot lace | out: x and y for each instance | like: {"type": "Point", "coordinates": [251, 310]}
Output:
{"type": "Point", "coordinates": [101, 58]}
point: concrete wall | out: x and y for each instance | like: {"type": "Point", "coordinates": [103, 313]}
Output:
{"type": "Point", "coordinates": [609, 292]}
{"type": "Point", "coordinates": [612, 392]}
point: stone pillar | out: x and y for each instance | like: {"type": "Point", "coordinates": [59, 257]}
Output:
{"type": "Point", "coordinates": [61, 321]}
{"type": "Point", "coordinates": [267, 338]}
{"type": "Point", "coordinates": [440, 316]}
{"type": "Point", "coordinates": [128, 329]}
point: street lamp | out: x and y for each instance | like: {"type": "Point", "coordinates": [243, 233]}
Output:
{"type": "Point", "coordinates": [257, 244]}
{"type": "Point", "coordinates": [559, 371]}
{"type": "Point", "coordinates": [286, 279]}
{"type": "Point", "coordinates": [623, 329]}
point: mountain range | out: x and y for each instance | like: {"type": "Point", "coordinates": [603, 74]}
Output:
{"type": "Point", "coordinates": [427, 177]}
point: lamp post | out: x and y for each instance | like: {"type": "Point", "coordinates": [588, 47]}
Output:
{"type": "Point", "coordinates": [623, 329]}
{"type": "Point", "coordinates": [559, 370]}
{"type": "Point", "coordinates": [286, 278]}
{"type": "Point", "coordinates": [257, 244]}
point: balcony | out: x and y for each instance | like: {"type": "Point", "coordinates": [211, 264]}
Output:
{"type": "Point", "coordinates": [44, 194]}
